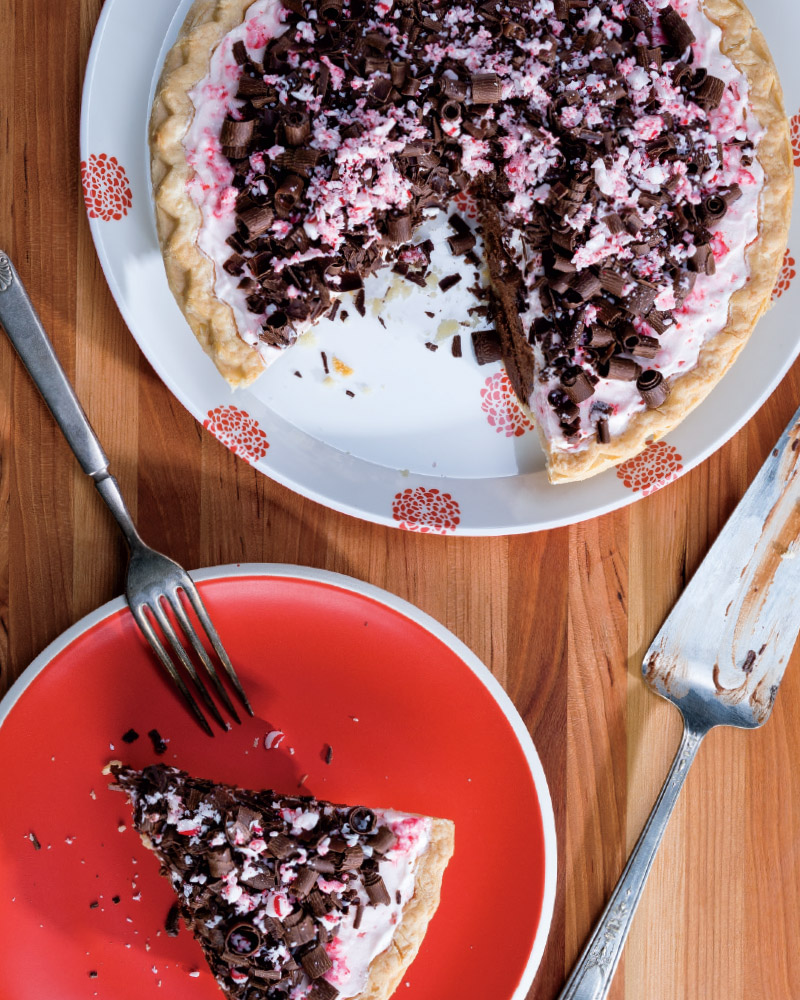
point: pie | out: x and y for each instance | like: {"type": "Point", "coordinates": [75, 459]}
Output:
{"type": "Point", "coordinates": [291, 897]}
{"type": "Point", "coordinates": [630, 162]}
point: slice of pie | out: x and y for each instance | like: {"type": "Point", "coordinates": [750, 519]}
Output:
{"type": "Point", "coordinates": [291, 897]}
{"type": "Point", "coordinates": [630, 160]}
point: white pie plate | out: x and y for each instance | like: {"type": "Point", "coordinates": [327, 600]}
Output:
{"type": "Point", "coordinates": [427, 442]}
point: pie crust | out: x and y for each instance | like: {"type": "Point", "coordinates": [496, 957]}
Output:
{"type": "Point", "coordinates": [387, 969]}
{"type": "Point", "coordinates": [191, 273]}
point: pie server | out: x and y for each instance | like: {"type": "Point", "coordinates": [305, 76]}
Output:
{"type": "Point", "coordinates": [719, 658]}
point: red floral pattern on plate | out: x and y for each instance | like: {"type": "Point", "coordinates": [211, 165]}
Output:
{"type": "Point", "coordinates": [653, 468]}
{"type": "Point", "coordinates": [502, 408]}
{"type": "Point", "coordinates": [427, 511]}
{"type": "Point", "coordinates": [796, 138]}
{"type": "Point", "coordinates": [238, 431]}
{"type": "Point", "coordinates": [785, 277]}
{"type": "Point", "coordinates": [466, 204]}
{"type": "Point", "coordinates": [106, 189]}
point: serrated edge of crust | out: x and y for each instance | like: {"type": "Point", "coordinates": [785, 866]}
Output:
{"type": "Point", "coordinates": [190, 273]}
{"type": "Point", "coordinates": [746, 47]}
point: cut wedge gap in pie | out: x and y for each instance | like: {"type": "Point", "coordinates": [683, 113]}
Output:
{"type": "Point", "coordinates": [630, 161]}
{"type": "Point", "coordinates": [291, 897]}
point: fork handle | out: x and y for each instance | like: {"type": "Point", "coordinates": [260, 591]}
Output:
{"type": "Point", "coordinates": [592, 976]}
{"type": "Point", "coordinates": [26, 333]}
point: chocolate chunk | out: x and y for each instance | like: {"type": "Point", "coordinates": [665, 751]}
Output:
{"type": "Point", "coordinates": [303, 932]}
{"type": "Point", "coordinates": [361, 820]}
{"type": "Point", "coordinates": [620, 369]}
{"type": "Point", "coordinates": [220, 863]}
{"type": "Point", "coordinates": [243, 939]}
{"type": "Point", "coordinates": [383, 840]}
{"type": "Point", "coordinates": [641, 299]}
{"type": "Point", "coordinates": [304, 881]}
{"type": "Point", "coordinates": [449, 281]}
{"type": "Point", "coordinates": [236, 133]}
{"type": "Point", "coordinates": [301, 160]}
{"type": "Point", "coordinates": [614, 223]}
{"type": "Point", "coordinates": [455, 346]}
{"type": "Point", "coordinates": [712, 209]}
{"type": "Point", "coordinates": [646, 347]}
{"type": "Point", "coordinates": [678, 32]}
{"type": "Point", "coordinates": [399, 228]}
{"type": "Point", "coordinates": [612, 281]}
{"type": "Point", "coordinates": [703, 260]}
{"type": "Point", "coordinates": [279, 846]}
{"type": "Point", "coordinates": [486, 344]}
{"type": "Point", "coordinates": [653, 388]}
{"type": "Point", "coordinates": [316, 962]}
{"type": "Point", "coordinates": [461, 243]}
{"type": "Point", "coordinates": [375, 889]}
{"type": "Point", "coordinates": [288, 194]}
{"type": "Point", "coordinates": [255, 221]}
{"type": "Point", "coordinates": [576, 384]}
{"type": "Point", "coordinates": [486, 88]}
{"type": "Point", "coordinates": [586, 285]}
{"type": "Point", "coordinates": [709, 94]}
{"type": "Point", "coordinates": [130, 737]}
{"type": "Point", "coordinates": [159, 746]}
{"type": "Point", "coordinates": [323, 990]}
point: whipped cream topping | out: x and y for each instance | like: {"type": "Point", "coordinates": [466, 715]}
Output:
{"type": "Point", "coordinates": [704, 314]}
{"type": "Point", "coordinates": [210, 187]}
{"type": "Point", "coordinates": [368, 183]}
{"type": "Point", "coordinates": [353, 950]}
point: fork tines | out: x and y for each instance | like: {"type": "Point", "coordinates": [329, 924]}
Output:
{"type": "Point", "coordinates": [147, 614]}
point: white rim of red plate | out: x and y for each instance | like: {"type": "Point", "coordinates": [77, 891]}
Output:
{"type": "Point", "coordinates": [115, 173]}
{"type": "Point", "coordinates": [409, 611]}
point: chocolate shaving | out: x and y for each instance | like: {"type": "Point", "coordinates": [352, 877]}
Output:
{"type": "Point", "coordinates": [376, 889]}
{"type": "Point", "coordinates": [653, 387]}
{"type": "Point", "coordinates": [449, 281]}
{"type": "Point", "coordinates": [486, 344]}
{"type": "Point", "coordinates": [676, 29]}
{"type": "Point", "coordinates": [455, 346]}
{"type": "Point", "coordinates": [486, 88]}
{"type": "Point", "coordinates": [316, 962]}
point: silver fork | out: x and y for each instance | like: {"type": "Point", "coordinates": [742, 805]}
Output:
{"type": "Point", "coordinates": [154, 583]}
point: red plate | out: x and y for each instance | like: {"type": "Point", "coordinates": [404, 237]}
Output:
{"type": "Point", "coordinates": [414, 720]}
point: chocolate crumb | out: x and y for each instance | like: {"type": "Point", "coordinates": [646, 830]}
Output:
{"type": "Point", "coordinates": [328, 753]}
{"type": "Point", "coordinates": [449, 281]}
{"type": "Point", "coordinates": [358, 302]}
{"type": "Point", "coordinates": [159, 746]}
{"type": "Point", "coordinates": [429, 314]}
{"type": "Point", "coordinates": [93, 905]}
{"type": "Point", "coordinates": [432, 346]}
{"type": "Point", "coordinates": [749, 660]}
{"type": "Point", "coordinates": [172, 922]}
{"type": "Point", "coordinates": [298, 375]}
{"type": "Point", "coordinates": [324, 357]}
{"type": "Point", "coordinates": [349, 392]}
{"type": "Point", "coordinates": [343, 315]}
{"type": "Point", "coordinates": [130, 737]}
{"type": "Point", "coordinates": [115, 899]}
{"type": "Point", "coordinates": [93, 974]}
{"type": "Point", "coordinates": [35, 841]}
{"type": "Point", "coordinates": [455, 347]}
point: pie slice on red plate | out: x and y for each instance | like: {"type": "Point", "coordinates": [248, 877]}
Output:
{"type": "Point", "coordinates": [291, 897]}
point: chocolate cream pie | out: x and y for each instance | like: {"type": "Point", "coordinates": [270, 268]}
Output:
{"type": "Point", "coordinates": [291, 897]}
{"type": "Point", "coordinates": [630, 162]}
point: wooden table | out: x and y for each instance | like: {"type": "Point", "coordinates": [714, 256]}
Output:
{"type": "Point", "coordinates": [562, 618]}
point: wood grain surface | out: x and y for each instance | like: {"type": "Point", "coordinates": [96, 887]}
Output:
{"type": "Point", "coordinates": [562, 618]}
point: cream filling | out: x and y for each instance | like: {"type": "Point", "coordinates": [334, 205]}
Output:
{"type": "Point", "coordinates": [703, 315]}
{"type": "Point", "coordinates": [353, 951]}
